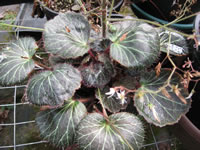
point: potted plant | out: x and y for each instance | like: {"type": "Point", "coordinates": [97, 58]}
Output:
{"type": "Point", "coordinates": [51, 8]}
{"type": "Point", "coordinates": [94, 83]}
{"type": "Point", "coordinates": [167, 11]}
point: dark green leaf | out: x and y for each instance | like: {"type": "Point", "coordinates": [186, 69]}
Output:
{"type": "Point", "coordinates": [53, 87]}
{"type": "Point", "coordinates": [176, 44]}
{"type": "Point", "coordinates": [16, 61]}
{"type": "Point", "coordinates": [158, 104]}
{"type": "Point", "coordinates": [54, 60]}
{"type": "Point", "coordinates": [58, 126]}
{"type": "Point", "coordinates": [98, 74]}
{"type": "Point", "coordinates": [127, 81]}
{"type": "Point", "coordinates": [121, 131]}
{"type": "Point", "coordinates": [134, 44]}
{"type": "Point", "coordinates": [100, 45]}
{"type": "Point", "coordinates": [67, 35]}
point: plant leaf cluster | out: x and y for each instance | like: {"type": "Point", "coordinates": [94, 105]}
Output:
{"type": "Point", "coordinates": [80, 59]}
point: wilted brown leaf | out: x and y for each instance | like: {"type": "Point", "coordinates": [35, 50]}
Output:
{"type": "Point", "coordinates": [196, 74]}
{"type": "Point", "coordinates": [166, 93]}
{"type": "Point", "coordinates": [176, 90]}
{"type": "Point", "coordinates": [157, 69]}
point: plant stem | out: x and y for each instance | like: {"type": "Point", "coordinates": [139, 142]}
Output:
{"type": "Point", "coordinates": [182, 14]}
{"type": "Point", "coordinates": [9, 25]}
{"type": "Point", "coordinates": [43, 66]}
{"type": "Point", "coordinates": [111, 8]}
{"type": "Point", "coordinates": [104, 18]}
{"type": "Point", "coordinates": [93, 10]}
{"type": "Point", "coordinates": [171, 61]}
{"type": "Point", "coordinates": [122, 88]}
{"type": "Point", "coordinates": [81, 4]}
{"type": "Point", "coordinates": [85, 100]}
{"type": "Point", "coordinates": [188, 16]}
{"type": "Point", "coordinates": [156, 24]}
{"type": "Point", "coordinates": [104, 110]}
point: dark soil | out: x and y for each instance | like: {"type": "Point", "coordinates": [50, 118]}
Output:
{"type": "Point", "coordinates": [59, 5]}
{"type": "Point", "coordinates": [66, 5]}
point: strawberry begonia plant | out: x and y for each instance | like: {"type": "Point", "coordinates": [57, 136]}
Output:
{"type": "Point", "coordinates": [116, 70]}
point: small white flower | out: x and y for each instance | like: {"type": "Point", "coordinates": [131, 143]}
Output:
{"type": "Point", "coordinates": [121, 96]}
{"type": "Point", "coordinates": [111, 92]}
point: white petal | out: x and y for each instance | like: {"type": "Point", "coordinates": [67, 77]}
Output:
{"type": "Point", "coordinates": [111, 92]}
{"type": "Point", "coordinates": [119, 95]}
{"type": "Point", "coordinates": [123, 93]}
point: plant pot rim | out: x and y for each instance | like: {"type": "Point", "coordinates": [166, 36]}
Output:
{"type": "Point", "coordinates": [149, 16]}
{"type": "Point", "coordinates": [48, 9]}
{"type": "Point", "coordinates": [187, 132]}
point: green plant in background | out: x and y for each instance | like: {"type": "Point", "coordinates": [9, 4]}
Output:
{"type": "Point", "coordinates": [90, 82]}
{"type": "Point", "coordinates": [8, 16]}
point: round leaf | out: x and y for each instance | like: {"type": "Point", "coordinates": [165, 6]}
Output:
{"type": "Point", "coordinates": [16, 61]}
{"type": "Point", "coordinates": [174, 42]}
{"type": "Point", "coordinates": [121, 131]}
{"type": "Point", "coordinates": [53, 87]}
{"type": "Point", "coordinates": [58, 125]}
{"type": "Point", "coordinates": [159, 104]}
{"type": "Point", "coordinates": [67, 35]}
{"type": "Point", "coordinates": [134, 45]}
{"type": "Point", "coordinates": [98, 74]}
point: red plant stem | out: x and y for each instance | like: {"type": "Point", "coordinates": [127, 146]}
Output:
{"type": "Point", "coordinates": [91, 54]}
{"type": "Point", "coordinates": [107, 50]}
{"type": "Point", "coordinates": [43, 66]}
{"type": "Point", "coordinates": [104, 18]}
{"type": "Point", "coordinates": [124, 89]}
{"type": "Point", "coordinates": [91, 105]}
{"type": "Point", "coordinates": [46, 107]}
{"type": "Point", "coordinates": [85, 100]}
{"type": "Point", "coordinates": [97, 110]}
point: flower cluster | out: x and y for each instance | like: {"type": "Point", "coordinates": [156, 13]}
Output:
{"type": "Point", "coordinates": [121, 95]}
